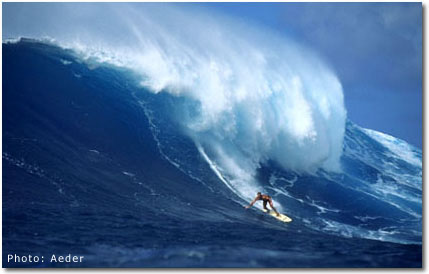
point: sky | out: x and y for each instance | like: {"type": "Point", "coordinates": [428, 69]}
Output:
{"type": "Point", "coordinates": [375, 49]}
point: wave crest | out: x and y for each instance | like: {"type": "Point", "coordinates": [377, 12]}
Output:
{"type": "Point", "coordinates": [250, 94]}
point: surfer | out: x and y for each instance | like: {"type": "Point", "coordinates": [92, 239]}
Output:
{"type": "Point", "coordinates": [266, 199]}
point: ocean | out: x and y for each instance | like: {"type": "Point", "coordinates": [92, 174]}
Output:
{"type": "Point", "coordinates": [95, 164]}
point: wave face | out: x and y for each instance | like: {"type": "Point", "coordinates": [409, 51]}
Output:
{"type": "Point", "coordinates": [157, 139]}
{"type": "Point", "coordinates": [250, 96]}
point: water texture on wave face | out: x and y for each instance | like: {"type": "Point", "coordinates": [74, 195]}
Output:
{"type": "Point", "coordinates": [140, 147]}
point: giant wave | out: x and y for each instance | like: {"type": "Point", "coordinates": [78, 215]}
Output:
{"type": "Point", "coordinates": [236, 109]}
{"type": "Point", "coordinates": [251, 95]}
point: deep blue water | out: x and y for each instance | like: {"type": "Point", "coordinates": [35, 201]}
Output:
{"type": "Point", "coordinates": [96, 166]}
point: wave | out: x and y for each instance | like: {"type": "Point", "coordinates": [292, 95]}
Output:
{"type": "Point", "coordinates": [251, 95]}
{"type": "Point", "coordinates": [263, 113]}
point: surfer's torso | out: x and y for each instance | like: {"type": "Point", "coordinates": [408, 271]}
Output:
{"type": "Point", "coordinates": [264, 197]}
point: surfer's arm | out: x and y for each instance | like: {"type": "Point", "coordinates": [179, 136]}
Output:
{"type": "Point", "coordinates": [251, 204]}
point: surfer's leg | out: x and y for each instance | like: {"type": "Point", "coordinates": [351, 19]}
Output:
{"type": "Point", "coordinates": [265, 205]}
{"type": "Point", "coordinates": [272, 206]}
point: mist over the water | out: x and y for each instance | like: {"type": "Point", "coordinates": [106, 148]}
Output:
{"type": "Point", "coordinates": [250, 95]}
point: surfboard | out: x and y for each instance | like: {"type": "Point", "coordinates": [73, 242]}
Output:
{"type": "Point", "coordinates": [281, 218]}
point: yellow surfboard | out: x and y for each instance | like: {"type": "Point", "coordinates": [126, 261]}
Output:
{"type": "Point", "coordinates": [281, 218]}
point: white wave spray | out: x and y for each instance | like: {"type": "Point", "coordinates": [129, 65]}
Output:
{"type": "Point", "coordinates": [258, 96]}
